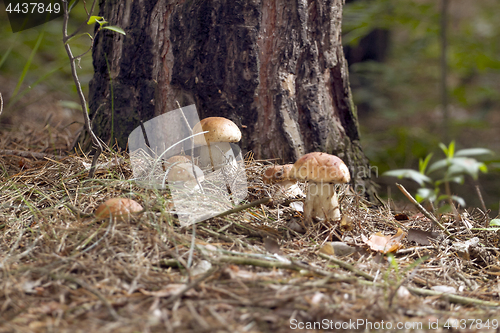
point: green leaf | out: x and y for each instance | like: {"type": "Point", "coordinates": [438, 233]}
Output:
{"type": "Point", "coordinates": [466, 165]}
{"type": "Point", "coordinates": [444, 209]}
{"type": "Point", "coordinates": [459, 200]}
{"type": "Point", "coordinates": [425, 194]}
{"type": "Point", "coordinates": [410, 174]}
{"type": "Point", "coordinates": [495, 222]}
{"type": "Point", "coordinates": [95, 19]}
{"type": "Point", "coordinates": [454, 179]}
{"type": "Point", "coordinates": [438, 165]}
{"type": "Point", "coordinates": [422, 163]}
{"type": "Point", "coordinates": [451, 149]}
{"type": "Point", "coordinates": [473, 152]}
{"type": "Point", "coordinates": [448, 151]}
{"type": "Point", "coordinates": [115, 29]}
{"type": "Point", "coordinates": [443, 148]}
{"type": "Point", "coordinates": [70, 105]}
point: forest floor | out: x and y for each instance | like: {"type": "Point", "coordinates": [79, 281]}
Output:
{"type": "Point", "coordinates": [252, 271]}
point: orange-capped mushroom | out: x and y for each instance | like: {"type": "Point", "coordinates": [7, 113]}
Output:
{"type": "Point", "coordinates": [122, 209]}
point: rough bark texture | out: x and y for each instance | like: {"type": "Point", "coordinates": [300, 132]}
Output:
{"type": "Point", "coordinates": [274, 67]}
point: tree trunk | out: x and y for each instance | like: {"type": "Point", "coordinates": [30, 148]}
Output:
{"type": "Point", "coordinates": [274, 67]}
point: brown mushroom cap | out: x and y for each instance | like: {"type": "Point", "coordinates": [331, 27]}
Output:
{"type": "Point", "coordinates": [119, 208]}
{"type": "Point", "coordinates": [321, 167]}
{"type": "Point", "coordinates": [183, 172]}
{"type": "Point", "coordinates": [278, 173]}
{"type": "Point", "coordinates": [219, 130]}
{"type": "Point", "coordinates": [179, 159]}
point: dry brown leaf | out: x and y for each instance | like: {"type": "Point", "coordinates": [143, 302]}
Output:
{"type": "Point", "coordinates": [385, 244]}
{"type": "Point", "coordinates": [271, 245]}
{"type": "Point", "coordinates": [421, 237]}
{"type": "Point", "coordinates": [347, 223]}
{"type": "Point", "coordinates": [339, 249]}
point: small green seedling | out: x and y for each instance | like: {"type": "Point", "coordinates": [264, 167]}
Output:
{"type": "Point", "coordinates": [454, 167]}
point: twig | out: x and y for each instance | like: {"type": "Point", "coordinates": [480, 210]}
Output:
{"type": "Point", "coordinates": [452, 297]}
{"type": "Point", "coordinates": [1, 104]}
{"type": "Point", "coordinates": [83, 102]}
{"type": "Point", "coordinates": [243, 207]}
{"type": "Point", "coordinates": [485, 210]}
{"type": "Point", "coordinates": [347, 266]}
{"type": "Point", "coordinates": [424, 211]}
{"type": "Point", "coordinates": [85, 285]}
{"type": "Point", "coordinates": [77, 212]}
{"type": "Point", "coordinates": [257, 262]}
{"type": "Point", "coordinates": [193, 284]}
{"type": "Point", "coordinates": [31, 154]}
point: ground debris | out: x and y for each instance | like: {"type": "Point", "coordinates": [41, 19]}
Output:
{"type": "Point", "coordinates": [62, 270]}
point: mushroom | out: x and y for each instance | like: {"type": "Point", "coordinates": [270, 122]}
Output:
{"type": "Point", "coordinates": [179, 159]}
{"type": "Point", "coordinates": [176, 159]}
{"type": "Point", "coordinates": [120, 208]}
{"type": "Point", "coordinates": [322, 171]}
{"type": "Point", "coordinates": [183, 173]}
{"type": "Point", "coordinates": [221, 132]}
{"type": "Point", "coordinates": [280, 176]}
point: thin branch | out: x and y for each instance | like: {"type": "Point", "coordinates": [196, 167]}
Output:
{"type": "Point", "coordinates": [94, 291]}
{"type": "Point", "coordinates": [295, 266]}
{"type": "Point", "coordinates": [347, 266]}
{"type": "Point", "coordinates": [257, 262]}
{"type": "Point", "coordinates": [83, 102]}
{"type": "Point", "coordinates": [23, 153]}
{"type": "Point", "coordinates": [243, 207]}
{"type": "Point", "coordinates": [192, 285]}
{"type": "Point", "coordinates": [89, 14]}
{"type": "Point", "coordinates": [424, 211]}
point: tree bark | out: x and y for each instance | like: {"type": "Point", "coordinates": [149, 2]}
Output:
{"type": "Point", "coordinates": [274, 67]}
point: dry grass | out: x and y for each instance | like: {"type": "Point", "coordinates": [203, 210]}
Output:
{"type": "Point", "coordinates": [62, 271]}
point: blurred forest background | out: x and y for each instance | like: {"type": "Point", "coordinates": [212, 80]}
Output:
{"type": "Point", "coordinates": [394, 50]}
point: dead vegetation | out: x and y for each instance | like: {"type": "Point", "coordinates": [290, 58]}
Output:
{"type": "Point", "coordinates": [250, 271]}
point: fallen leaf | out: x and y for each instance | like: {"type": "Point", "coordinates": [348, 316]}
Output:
{"type": "Point", "coordinates": [295, 226]}
{"type": "Point", "coordinates": [346, 223]}
{"type": "Point", "coordinates": [297, 205]}
{"type": "Point", "coordinates": [339, 249]}
{"type": "Point", "coordinates": [384, 244]}
{"type": "Point", "coordinates": [421, 237]}
{"type": "Point", "coordinates": [271, 245]}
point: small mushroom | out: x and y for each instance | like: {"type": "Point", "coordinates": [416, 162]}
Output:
{"type": "Point", "coordinates": [322, 171]}
{"type": "Point", "coordinates": [183, 173]}
{"type": "Point", "coordinates": [179, 159]}
{"type": "Point", "coordinates": [120, 208]}
{"type": "Point", "coordinates": [280, 176]}
{"type": "Point", "coordinates": [221, 132]}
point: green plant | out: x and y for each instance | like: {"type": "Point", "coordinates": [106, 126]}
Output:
{"type": "Point", "coordinates": [454, 167]}
{"type": "Point", "coordinates": [66, 39]}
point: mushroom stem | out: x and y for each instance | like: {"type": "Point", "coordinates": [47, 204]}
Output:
{"type": "Point", "coordinates": [321, 202]}
{"type": "Point", "coordinates": [210, 154]}
{"type": "Point", "coordinates": [290, 188]}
